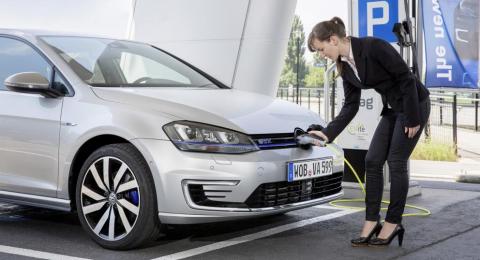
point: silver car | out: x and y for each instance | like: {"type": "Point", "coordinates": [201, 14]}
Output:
{"type": "Point", "coordinates": [131, 137]}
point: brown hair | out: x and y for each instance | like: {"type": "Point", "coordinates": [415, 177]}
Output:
{"type": "Point", "coordinates": [323, 31]}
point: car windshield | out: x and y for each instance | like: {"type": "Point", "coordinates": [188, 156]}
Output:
{"type": "Point", "coordinates": [115, 63]}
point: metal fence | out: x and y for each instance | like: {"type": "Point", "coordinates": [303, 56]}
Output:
{"type": "Point", "coordinates": [311, 98]}
{"type": "Point", "coordinates": [450, 111]}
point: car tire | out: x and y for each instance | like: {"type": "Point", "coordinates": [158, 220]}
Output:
{"type": "Point", "coordinates": [117, 211]}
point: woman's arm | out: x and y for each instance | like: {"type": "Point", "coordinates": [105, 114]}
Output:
{"type": "Point", "coordinates": [347, 113]}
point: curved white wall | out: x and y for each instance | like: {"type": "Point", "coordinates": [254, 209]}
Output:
{"type": "Point", "coordinates": [205, 33]}
{"type": "Point", "coordinates": [264, 44]}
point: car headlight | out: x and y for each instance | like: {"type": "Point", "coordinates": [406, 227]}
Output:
{"type": "Point", "coordinates": [197, 137]}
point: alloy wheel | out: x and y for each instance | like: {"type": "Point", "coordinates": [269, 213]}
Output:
{"type": "Point", "coordinates": [110, 198]}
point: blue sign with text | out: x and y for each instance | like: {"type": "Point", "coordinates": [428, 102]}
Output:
{"type": "Point", "coordinates": [377, 17]}
{"type": "Point", "coordinates": [451, 43]}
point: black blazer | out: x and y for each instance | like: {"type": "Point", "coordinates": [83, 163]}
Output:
{"type": "Point", "coordinates": [380, 67]}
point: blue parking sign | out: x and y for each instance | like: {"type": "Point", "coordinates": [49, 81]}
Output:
{"type": "Point", "coordinates": [377, 17]}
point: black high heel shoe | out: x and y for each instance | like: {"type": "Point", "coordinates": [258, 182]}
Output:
{"type": "Point", "coordinates": [363, 241]}
{"type": "Point", "coordinates": [379, 242]}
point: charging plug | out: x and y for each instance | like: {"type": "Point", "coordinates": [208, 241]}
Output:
{"type": "Point", "coordinates": [307, 140]}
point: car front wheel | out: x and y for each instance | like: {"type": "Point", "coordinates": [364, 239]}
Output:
{"type": "Point", "coordinates": [115, 198]}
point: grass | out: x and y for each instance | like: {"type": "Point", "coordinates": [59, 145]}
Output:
{"type": "Point", "coordinates": [434, 151]}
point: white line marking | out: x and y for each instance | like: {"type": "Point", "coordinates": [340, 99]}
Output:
{"type": "Point", "coordinates": [36, 254]}
{"type": "Point", "coordinates": [262, 234]}
{"type": "Point", "coordinates": [326, 207]}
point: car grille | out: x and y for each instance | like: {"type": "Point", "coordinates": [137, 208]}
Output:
{"type": "Point", "coordinates": [274, 141]}
{"type": "Point", "coordinates": [281, 193]}
{"type": "Point", "coordinates": [276, 193]}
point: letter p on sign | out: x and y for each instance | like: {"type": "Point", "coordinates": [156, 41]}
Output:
{"type": "Point", "coordinates": [372, 21]}
{"type": "Point", "coordinates": [377, 17]}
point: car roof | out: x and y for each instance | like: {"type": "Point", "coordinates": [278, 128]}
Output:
{"type": "Point", "coordinates": [32, 34]}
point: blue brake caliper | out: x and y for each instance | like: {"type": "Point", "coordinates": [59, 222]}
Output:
{"type": "Point", "coordinates": [133, 195]}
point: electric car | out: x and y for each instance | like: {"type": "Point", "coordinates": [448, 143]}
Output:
{"type": "Point", "coordinates": [131, 137]}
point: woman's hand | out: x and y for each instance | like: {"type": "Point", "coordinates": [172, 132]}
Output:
{"type": "Point", "coordinates": [411, 131]}
{"type": "Point", "coordinates": [319, 134]}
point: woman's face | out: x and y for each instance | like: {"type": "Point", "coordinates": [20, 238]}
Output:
{"type": "Point", "coordinates": [327, 49]}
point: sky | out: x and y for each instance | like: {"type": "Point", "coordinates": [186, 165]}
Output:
{"type": "Point", "coordinates": [313, 11]}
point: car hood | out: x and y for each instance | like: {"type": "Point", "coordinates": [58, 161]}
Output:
{"type": "Point", "coordinates": [242, 111]}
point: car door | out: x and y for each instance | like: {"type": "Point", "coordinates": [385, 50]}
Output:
{"type": "Point", "coordinates": [29, 125]}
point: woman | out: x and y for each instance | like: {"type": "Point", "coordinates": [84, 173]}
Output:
{"type": "Point", "coordinates": [371, 63]}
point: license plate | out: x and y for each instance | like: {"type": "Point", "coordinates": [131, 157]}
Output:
{"type": "Point", "coordinates": [301, 170]}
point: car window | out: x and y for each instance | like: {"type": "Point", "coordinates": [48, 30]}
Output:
{"type": "Point", "coordinates": [17, 56]}
{"type": "Point", "coordinates": [116, 63]}
{"type": "Point", "coordinates": [60, 84]}
{"type": "Point", "coordinates": [135, 67]}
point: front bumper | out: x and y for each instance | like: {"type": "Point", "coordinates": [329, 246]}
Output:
{"type": "Point", "coordinates": [214, 216]}
{"type": "Point", "coordinates": [228, 181]}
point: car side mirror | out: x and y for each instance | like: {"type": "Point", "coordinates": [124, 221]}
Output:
{"type": "Point", "coordinates": [31, 82]}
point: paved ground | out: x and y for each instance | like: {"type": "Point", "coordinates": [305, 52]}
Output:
{"type": "Point", "coordinates": [445, 171]}
{"type": "Point", "coordinates": [314, 233]}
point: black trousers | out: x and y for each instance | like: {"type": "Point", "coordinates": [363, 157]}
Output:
{"type": "Point", "coordinates": [390, 143]}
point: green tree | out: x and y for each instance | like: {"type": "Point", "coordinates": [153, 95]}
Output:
{"type": "Point", "coordinates": [316, 71]}
{"type": "Point", "coordinates": [314, 77]}
{"type": "Point", "coordinates": [318, 60]}
{"type": "Point", "coordinates": [295, 52]}
{"type": "Point", "coordinates": [288, 77]}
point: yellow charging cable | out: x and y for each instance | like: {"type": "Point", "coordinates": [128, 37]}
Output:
{"type": "Point", "coordinates": [423, 211]}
